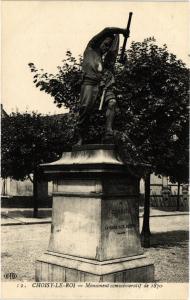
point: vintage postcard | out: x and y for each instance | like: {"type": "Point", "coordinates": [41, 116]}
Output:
{"type": "Point", "coordinates": [94, 147]}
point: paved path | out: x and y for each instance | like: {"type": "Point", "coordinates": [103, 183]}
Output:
{"type": "Point", "coordinates": [23, 216]}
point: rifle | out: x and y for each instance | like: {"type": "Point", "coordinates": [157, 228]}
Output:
{"type": "Point", "coordinates": [102, 99]}
{"type": "Point", "coordinates": [122, 60]}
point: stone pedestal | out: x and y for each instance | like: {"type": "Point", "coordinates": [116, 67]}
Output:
{"type": "Point", "coordinates": [95, 227]}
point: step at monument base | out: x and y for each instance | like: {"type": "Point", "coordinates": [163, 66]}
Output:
{"type": "Point", "coordinates": [55, 267]}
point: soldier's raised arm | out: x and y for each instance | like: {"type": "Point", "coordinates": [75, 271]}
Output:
{"type": "Point", "coordinates": [96, 41]}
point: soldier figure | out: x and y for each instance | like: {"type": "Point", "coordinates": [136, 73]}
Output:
{"type": "Point", "coordinates": [98, 64]}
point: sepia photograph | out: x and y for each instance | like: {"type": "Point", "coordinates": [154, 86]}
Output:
{"type": "Point", "coordinates": [95, 149]}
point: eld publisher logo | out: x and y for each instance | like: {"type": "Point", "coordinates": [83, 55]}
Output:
{"type": "Point", "coordinates": [10, 275]}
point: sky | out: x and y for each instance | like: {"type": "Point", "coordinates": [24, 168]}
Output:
{"type": "Point", "coordinates": [42, 31]}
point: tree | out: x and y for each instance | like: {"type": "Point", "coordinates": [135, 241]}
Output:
{"type": "Point", "coordinates": [31, 139]}
{"type": "Point", "coordinates": [178, 170]}
{"type": "Point", "coordinates": [64, 86]}
{"type": "Point", "coordinates": [152, 93]}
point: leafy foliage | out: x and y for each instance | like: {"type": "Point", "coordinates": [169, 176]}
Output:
{"type": "Point", "coordinates": [152, 90]}
{"type": "Point", "coordinates": [31, 139]}
{"type": "Point", "coordinates": [152, 94]}
{"type": "Point", "coordinates": [64, 86]}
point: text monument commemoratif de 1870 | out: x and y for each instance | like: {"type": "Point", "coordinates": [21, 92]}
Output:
{"type": "Point", "coordinates": [95, 226]}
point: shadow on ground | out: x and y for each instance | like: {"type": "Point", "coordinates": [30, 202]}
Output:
{"type": "Point", "coordinates": [169, 239]}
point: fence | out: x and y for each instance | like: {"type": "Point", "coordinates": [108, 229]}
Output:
{"type": "Point", "coordinates": [169, 201]}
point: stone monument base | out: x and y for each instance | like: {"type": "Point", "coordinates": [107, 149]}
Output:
{"type": "Point", "coordinates": [95, 220]}
{"type": "Point", "coordinates": [62, 268]}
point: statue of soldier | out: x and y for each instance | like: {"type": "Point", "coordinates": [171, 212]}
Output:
{"type": "Point", "coordinates": [98, 67]}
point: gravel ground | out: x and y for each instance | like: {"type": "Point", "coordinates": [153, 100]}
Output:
{"type": "Point", "coordinates": [23, 244]}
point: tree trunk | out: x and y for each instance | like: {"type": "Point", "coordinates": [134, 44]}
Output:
{"type": "Point", "coordinates": [145, 234]}
{"type": "Point", "coordinates": [35, 195]}
{"type": "Point", "coordinates": [178, 196]}
{"type": "Point", "coordinates": [4, 187]}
